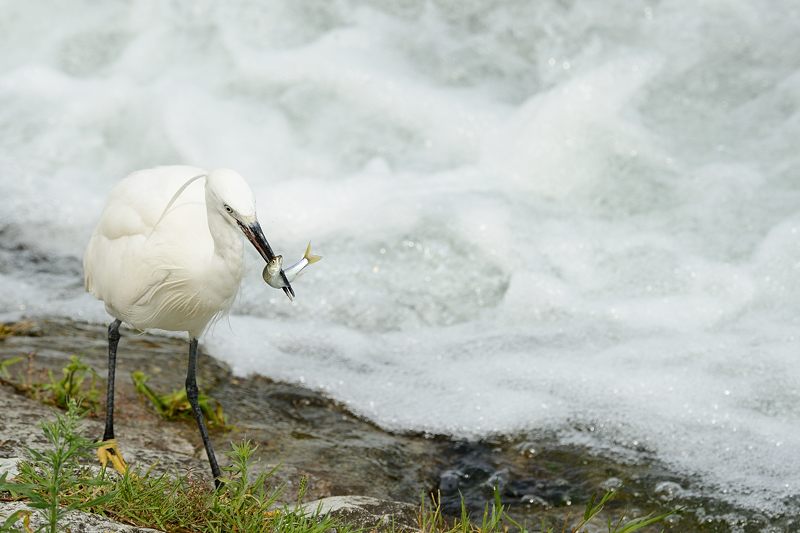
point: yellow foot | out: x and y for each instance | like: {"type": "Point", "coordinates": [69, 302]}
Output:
{"type": "Point", "coordinates": [108, 452]}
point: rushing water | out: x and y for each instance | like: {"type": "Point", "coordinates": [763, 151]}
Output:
{"type": "Point", "coordinates": [574, 217]}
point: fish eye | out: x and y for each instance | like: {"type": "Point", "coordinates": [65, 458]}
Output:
{"type": "Point", "coordinates": [228, 208]}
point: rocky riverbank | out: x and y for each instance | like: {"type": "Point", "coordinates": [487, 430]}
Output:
{"type": "Point", "coordinates": [309, 435]}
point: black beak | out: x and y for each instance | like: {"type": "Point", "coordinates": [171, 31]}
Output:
{"type": "Point", "coordinates": [256, 237]}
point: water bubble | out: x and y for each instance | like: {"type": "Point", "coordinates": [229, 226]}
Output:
{"type": "Point", "coordinates": [668, 490]}
{"type": "Point", "coordinates": [449, 480]}
{"type": "Point", "coordinates": [526, 449]}
{"type": "Point", "coordinates": [612, 483]}
{"type": "Point", "coordinates": [498, 479]}
{"type": "Point", "coordinates": [534, 500]}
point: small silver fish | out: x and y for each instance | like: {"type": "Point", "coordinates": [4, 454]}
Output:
{"type": "Point", "coordinates": [272, 272]}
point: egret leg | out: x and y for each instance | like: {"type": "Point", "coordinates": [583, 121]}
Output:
{"type": "Point", "coordinates": [192, 395]}
{"type": "Point", "coordinates": [108, 451]}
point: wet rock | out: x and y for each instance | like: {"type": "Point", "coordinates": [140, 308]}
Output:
{"type": "Point", "coordinates": [309, 435]}
{"type": "Point", "coordinates": [144, 445]}
{"type": "Point", "coordinates": [371, 514]}
{"type": "Point", "coordinates": [74, 522]}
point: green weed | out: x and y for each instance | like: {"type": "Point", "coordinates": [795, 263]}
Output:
{"type": "Point", "coordinates": [176, 405]}
{"type": "Point", "coordinates": [54, 483]}
{"type": "Point", "coordinates": [47, 479]}
{"type": "Point", "coordinates": [8, 363]}
{"type": "Point", "coordinates": [77, 383]}
{"type": "Point", "coordinates": [496, 518]}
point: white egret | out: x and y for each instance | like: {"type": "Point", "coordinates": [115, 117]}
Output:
{"type": "Point", "coordinates": [167, 254]}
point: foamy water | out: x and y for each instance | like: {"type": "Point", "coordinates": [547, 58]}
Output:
{"type": "Point", "coordinates": [581, 218]}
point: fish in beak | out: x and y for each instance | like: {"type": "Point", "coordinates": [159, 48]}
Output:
{"type": "Point", "coordinates": [275, 275]}
{"type": "Point", "coordinates": [259, 241]}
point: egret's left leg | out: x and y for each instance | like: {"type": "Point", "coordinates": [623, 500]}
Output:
{"type": "Point", "coordinates": [107, 451]}
{"type": "Point", "coordinates": [192, 395]}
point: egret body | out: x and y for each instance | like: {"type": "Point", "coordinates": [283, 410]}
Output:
{"type": "Point", "coordinates": [167, 254]}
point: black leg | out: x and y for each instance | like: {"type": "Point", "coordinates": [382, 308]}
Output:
{"type": "Point", "coordinates": [113, 340]}
{"type": "Point", "coordinates": [108, 451]}
{"type": "Point", "coordinates": [191, 393]}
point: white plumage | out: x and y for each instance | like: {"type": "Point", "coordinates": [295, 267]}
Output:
{"type": "Point", "coordinates": [177, 272]}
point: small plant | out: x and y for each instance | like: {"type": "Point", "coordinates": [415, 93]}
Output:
{"type": "Point", "coordinates": [5, 364]}
{"type": "Point", "coordinates": [176, 405]}
{"type": "Point", "coordinates": [635, 524]}
{"type": "Point", "coordinates": [54, 483]}
{"type": "Point", "coordinates": [78, 382]}
{"type": "Point", "coordinates": [495, 518]}
{"type": "Point", "coordinates": [240, 504]}
{"type": "Point", "coordinates": [46, 479]}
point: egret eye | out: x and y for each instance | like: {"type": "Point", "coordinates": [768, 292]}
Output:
{"type": "Point", "coordinates": [228, 209]}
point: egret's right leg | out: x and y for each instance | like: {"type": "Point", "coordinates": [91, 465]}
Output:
{"type": "Point", "coordinates": [107, 451]}
{"type": "Point", "coordinates": [192, 394]}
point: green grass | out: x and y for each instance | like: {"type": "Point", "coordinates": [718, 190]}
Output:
{"type": "Point", "coordinates": [48, 478]}
{"type": "Point", "coordinates": [495, 518]}
{"type": "Point", "coordinates": [56, 482]}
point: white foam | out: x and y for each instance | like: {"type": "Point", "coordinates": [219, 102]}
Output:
{"type": "Point", "coordinates": [532, 216]}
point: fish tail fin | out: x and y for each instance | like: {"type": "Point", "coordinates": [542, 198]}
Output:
{"type": "Point", "coordinates": [311, 258]}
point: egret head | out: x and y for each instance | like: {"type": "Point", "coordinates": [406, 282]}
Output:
{"type": "Point", "coordinates": [232, 196]}
{"type": "Point", "coordinates": [227, 191]}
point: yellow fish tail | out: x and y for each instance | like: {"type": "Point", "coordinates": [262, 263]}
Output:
{"type": "Point", "coordinates": [311, 258]}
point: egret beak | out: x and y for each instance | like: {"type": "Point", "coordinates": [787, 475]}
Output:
{"type": "Point", "coordinates": [256, 237]}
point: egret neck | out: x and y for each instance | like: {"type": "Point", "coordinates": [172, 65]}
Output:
{"type": "Point", "coordinates": [227, 238]}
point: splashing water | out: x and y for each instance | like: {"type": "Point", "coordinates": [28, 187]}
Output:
{"type": "Point", "coordinates": [551, 215]}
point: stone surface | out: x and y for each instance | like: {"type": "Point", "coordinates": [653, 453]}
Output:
{"type": "Point", "coordinates": [74, 522]}
{"type": "Point", "coordinates": [371, 514]}
{"type": "Point", "coordinates": [8, 465]}
{"type": "Point", "coordinates": [18, 431]}
{"type": "Point", "coordinates": [145, 444]}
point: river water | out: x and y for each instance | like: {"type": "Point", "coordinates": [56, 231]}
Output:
{"type": "Point", "coordinates": [574, 218]}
